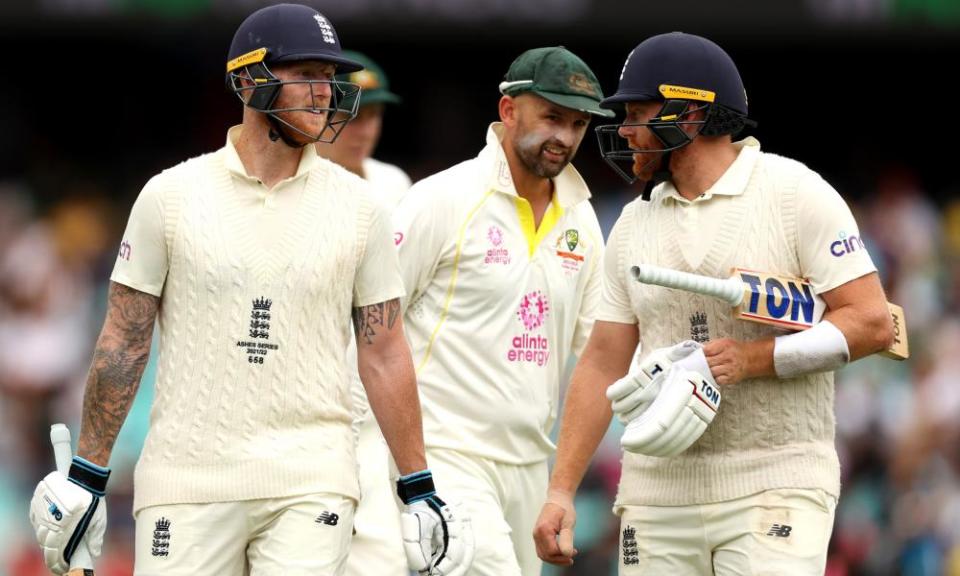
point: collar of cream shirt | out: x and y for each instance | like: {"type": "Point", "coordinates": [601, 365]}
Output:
{"type": "Point", "coordinates": [308, 158]}
{"type": "Point", "coordinates": [569, 187]}
{"type": "Point", "coordinates": [734, 180]}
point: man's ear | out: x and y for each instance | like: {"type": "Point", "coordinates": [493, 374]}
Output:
{"type": "Point", "coordinates": [695, 112]}
{"type": "Point", "coordinates": [508, 110]}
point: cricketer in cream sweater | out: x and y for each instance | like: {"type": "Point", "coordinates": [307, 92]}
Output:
{"type": "Point", "coordinates": [501, 261]}
{"type": "Point", "coordinates": [756, 493]}
{"type": "Point", "coordinates": [377, 545]}
{"type": "Point", "coordinates": [253, 259]}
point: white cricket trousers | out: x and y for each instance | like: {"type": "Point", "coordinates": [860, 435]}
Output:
{"type": "Point", "coordinates": [293, 536]}
{"type": "Point", "coordinates": [377, 546]}
{"type": "Point", "coordinates": [503, 501]}
{"type": "Point", "coordinates": [781, 532]}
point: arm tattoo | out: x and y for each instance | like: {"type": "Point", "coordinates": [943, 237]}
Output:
{"type": "Point", "coordinates": [118, 362]}
{"type": "Point", "coordinates": [367, 319]}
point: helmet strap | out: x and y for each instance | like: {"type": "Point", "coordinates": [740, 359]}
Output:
{"type": "Point", "coordinates": [277, 132]}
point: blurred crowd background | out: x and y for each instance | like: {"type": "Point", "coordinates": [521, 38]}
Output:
{"type": "Point", "coordinates": [99, 95]}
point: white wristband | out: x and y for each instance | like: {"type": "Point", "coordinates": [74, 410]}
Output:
{"type": "Point", "coordinates": [822, 348]}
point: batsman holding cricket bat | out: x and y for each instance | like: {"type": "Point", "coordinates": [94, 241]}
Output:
{"type": "Point", "coordinates": [729, 464]}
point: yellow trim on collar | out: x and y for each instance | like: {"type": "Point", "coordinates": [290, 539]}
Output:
{"type": "Point", "coordinates": [533, 234]}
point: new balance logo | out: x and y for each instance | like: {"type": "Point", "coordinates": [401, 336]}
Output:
{"type": "Point", "coordinates": [328, 518]}
{"type": "Point", "coordinates": [780, 530]}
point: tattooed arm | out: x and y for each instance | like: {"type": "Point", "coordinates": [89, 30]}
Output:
{"type": "Point", "coordinates": [386, 371]}
{"type": "Point", "coordinates": [118, 362]}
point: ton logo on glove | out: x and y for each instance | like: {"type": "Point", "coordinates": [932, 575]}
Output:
{"type": "Point", "coordinates": [666, 401]}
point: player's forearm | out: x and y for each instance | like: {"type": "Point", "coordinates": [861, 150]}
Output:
{"type": "Point", "coordinates": [392, 390]}
{"type": "Point", "coordinates": [119, 358]}
{"type": "Point", "coordinates": [386, 371]}
{"type": "Point", "coordinates": [586, 417]}
{"type": "Point", "coordinates": [866, 330]}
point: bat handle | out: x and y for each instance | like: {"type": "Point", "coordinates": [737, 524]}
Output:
{"type": "Point", "coordinates": [80, 564]}
{"type": "Point", "coordinates": [730, 290]}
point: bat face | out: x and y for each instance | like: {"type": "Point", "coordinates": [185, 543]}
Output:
{"type": "Point", "coordinates": [778, 300]}
{"type": "Point", "coordinates": [782, 301]}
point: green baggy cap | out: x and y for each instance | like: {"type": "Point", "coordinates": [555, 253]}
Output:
{"type": "Point", "coordinates": [374, 86]}
{"type": "Point", "coordinates": [558, 75]}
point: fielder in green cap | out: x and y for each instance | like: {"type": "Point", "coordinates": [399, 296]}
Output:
{"type": "Point", "coordinates": [354, 148]}
{"type": "Point", "coordinates": [502, 259]}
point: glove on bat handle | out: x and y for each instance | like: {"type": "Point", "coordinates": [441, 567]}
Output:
{"type": "Point", "coordinates": [80, 564]}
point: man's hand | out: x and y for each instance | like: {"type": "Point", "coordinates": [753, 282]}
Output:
{"type": "Point", "coordinates": [553, 533]}
{"type": "Point", "coordinates": [65, 510]}
{"type": "Point", "coordinates": [732, 361]}
{"type": "Point", "coordinates": [437, 541]}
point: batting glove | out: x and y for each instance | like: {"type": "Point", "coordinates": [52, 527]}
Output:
{"type": "Point", "coordinates": [437, 542]}
{"type": "Point", "coordinates": [66, 509]}
{"type": "Point", "coordinates": [686, 404]}
{"type": "Point", "coordinates": [631, 395]}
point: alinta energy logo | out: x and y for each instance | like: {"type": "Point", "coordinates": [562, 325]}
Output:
{"type": "Point", "coordinates": [530, 346]}
{"type": "Point", "coordinates": [533, 310]}
{"type": "Point", "coordinates": [497, 254]}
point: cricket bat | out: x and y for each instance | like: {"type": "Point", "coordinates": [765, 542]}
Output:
{"type": "Point", "coordinates": [80, 564]}
{"type": "Point", "coordinates": [766, 298]}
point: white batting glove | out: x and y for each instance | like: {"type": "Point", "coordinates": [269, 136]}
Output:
{"type": "Point", "coordinates": [65, 511]}
{"type": "Point", "coordinates": [686, 404]}
{"type": "Point", "coordinates": [437, 541]}
{"type": "Point", "coordinates": [631, 395]}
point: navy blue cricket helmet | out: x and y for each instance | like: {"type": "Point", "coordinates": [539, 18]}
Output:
{"type": "Point", "coordinates": [289, 33]}
{"type": "Point", "coordinates": [688, 73]}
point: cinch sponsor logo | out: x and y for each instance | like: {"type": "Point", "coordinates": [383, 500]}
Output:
{"type": "Point", "coordinates": [794, 300]}
{"type": "Point", "coordinates": [846, 245]}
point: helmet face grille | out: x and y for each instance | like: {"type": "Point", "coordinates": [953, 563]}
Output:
{"type": "Point", "coordinates": [258, 88]}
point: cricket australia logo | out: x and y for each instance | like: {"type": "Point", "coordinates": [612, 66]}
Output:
{"type": "Point", "coordinates": [631, 555]}
{"type": "Point", "coordinates": [699, 332]}
{"type": "Point", "coordinates": [566, 245]}
{"type": "Point", "coordinates": [161, 538]}
{"type": "Point", "coordinates": [531, 347]}
{"type": "Point", "coordinates": [259, 330]}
